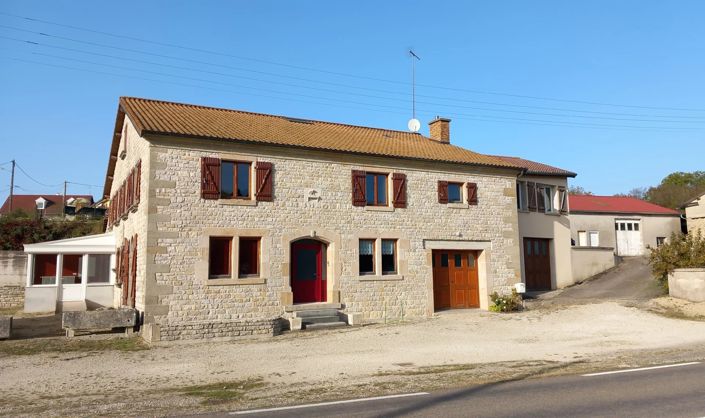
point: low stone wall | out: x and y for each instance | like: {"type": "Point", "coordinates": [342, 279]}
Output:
{"type": "Point", "coordinates": [219, 329]}
{"type": "Point", "coordinates": [688, 284]}
{"type": "Point", "coordinates": [13, 268]}
{"type": "Point", "coordinates": [589, 261]}
{"type": "Point", "coordinates": [11, 296]}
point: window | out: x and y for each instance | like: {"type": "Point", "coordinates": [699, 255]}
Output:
{"type": "Point", "coordinates": [235, 180]}
{"type": "Point", "coordinates": [389, 256]}
{"type": "Point", "coordinates": [471, 261]}
{"type": "Point", "coordinates": [219, 257]}
{"type": "Point", "coordinates": [455, 192]}
{"type": "Point", "coordinates": [522, 196]}
{"type": "Point", "coordinates": [376, 189]}
{"type": "Point", "coordinates": [44, 269]}
{"type": "Point", "coordinates": [367, 256]}
{"type": "Point", "coordinates": [594, 238]}
{"type": "Point", "coordinates": [660, 241]}
{"type": "Point", "coordinates": [444, 260]}
{"type": "Point", "coordinates": [582, 238]}
{"type": "Point", "coordinates": [548, 193]}
{"type": "Point", "coordinates": [622, 226]}
{"type": "Point", "coordinates": [636, 226]}
{"type": "Point", "coordinates": [98, 268]}
{"type": "Point", "coordinates": [248, 257]}
{"type": "Point", "coordinates": [71, 270]}
{"type": "Point", "coordinates": [629, 226]}
{"type": "Point", "coordinates": [458, 260]}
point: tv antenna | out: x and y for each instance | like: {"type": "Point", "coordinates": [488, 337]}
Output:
{"type": "Point", "coordinates": [414, 124]}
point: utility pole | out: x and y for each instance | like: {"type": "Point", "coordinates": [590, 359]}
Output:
{"type": "Point", "coordinates": [63, 202]}
{"type": "Point", "coordinates": [12, 184]}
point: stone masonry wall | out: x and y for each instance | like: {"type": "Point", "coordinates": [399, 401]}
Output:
{"type": "Point", "coordinates": [220, 329]}
{"type": "Point", "coordinates": [136, 223]}
{"type": "Point", "coordinates": [13, 275]}
{"type": "Point", "coordinates": [180, 222]}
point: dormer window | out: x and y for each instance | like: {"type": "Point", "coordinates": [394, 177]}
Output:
{"type": "Point", "coordinates": [41, 203]}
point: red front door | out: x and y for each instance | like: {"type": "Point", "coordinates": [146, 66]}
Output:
{"type": "Point", "coordinates": [307, 281]}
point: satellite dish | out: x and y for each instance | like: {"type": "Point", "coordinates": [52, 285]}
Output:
{"type": "Point", "coordinates": [414, 125]}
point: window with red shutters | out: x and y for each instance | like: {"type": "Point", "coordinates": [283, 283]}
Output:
{"type": "Point", "coordinates": [442, 191]}
{"type": "Point", "coordinates": [265, 181]}
{"type": "Point", "coordinates": [358, 188]}
{"type": "Point", "coordinates": [399, 190]}
{"type": "Point", "coordinates": [472, 193]}
{"type": "Point", "coordinates": [133, 281]}
{"type": "Point", "coordinates": [210, 178]}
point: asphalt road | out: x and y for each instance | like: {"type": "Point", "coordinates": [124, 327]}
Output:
{"type": "Point", "coordinates": [672, 392]}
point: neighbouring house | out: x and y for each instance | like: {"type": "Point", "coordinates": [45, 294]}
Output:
{"type": "Point", "coordinates": [628, 225]}
{"type": "Point", "coordinates": [695, 214]}
{"type": "Point", "coordinates": [226, 221]}
{"type": "Point", "coordinates": [544, 224]}
{"type": "Point", "coordinates": [48, 205]}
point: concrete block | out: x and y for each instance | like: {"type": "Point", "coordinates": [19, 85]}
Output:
{"type": "Point", "coordinates": [5, 327]}
{"type": "Point", "coordinates": [295, 324]}
{"type": "Point", "coordinates": [354, 318]}
{"type": "Point", "coordinates": [109, 318]}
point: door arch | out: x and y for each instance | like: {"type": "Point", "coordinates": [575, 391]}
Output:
{"type": "Point", "coordinates": [308, 271]}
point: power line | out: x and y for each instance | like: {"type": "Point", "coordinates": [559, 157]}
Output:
{"type": "Point", "coordinates": [349, 75]}
{"type": "Point", "coordinates": [35, 180]}
{"type": "Point", "coordinates": [366, 106]}
{"type": "Point", "coordinates": [699, 120]}
{"type": "Point", "coordinates": [453, 99]}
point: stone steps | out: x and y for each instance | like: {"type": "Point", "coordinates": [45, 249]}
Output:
{"type": "Point", "coordinates": [316, 313]}
{"type": "Point", "coordinates": [325, 325]}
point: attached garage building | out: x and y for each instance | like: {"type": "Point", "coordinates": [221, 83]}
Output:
{"type": "Point", "coordinates": [627, 224]}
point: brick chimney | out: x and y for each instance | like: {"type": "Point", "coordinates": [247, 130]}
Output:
{"type": "Point", "coordinates": [440, 130]}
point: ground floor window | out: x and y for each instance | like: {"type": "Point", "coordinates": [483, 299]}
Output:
{"type": "Point", "coordinates": [389, 256]}
{"type": "Point", "coordinates": [660, 241]}
{"type": "Point", "coordinates": [71, 270]}
{"type": "Point", "coordinates": [44, 269]}
{"type": "Point", "coordinates": [248, 257]}
{"type": "Point", "coordinates": [98, 268]}
{"type": "Point", "coordinates": [367, 256]}
{"type": "Point", "coordinates": [219, 257]}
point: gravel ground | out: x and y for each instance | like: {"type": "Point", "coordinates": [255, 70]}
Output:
{"type": "Point", "coordinates": [328, 364]}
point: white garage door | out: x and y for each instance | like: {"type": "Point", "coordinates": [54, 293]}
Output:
{"type": "Point", "coordinates": [628, 237]}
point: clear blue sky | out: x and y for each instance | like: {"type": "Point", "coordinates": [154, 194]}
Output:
{"type": "Point", "coordinates": [639, 64]}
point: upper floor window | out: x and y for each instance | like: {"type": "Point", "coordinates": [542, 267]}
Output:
{"type": "Point", "coordinates": [522, 196]}
{"type": "Point", "coordinates": [235, 180]}
{"type": "Point", "coordinates": [548, 193]}
{"type": "Point", "coordinates": [376, 189]}
{"type": "Point", "coordinates": [455, 192]}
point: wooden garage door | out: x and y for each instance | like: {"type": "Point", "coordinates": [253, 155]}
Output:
{"type": "Point", "coordinates": [455, 280]}
{"type": "Point", "coordinates": [537, 264]}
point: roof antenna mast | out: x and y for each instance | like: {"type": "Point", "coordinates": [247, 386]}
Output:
{"type": "Point", "coordinates": [414, 125]}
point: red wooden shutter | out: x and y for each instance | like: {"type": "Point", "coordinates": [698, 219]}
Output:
{"type": "Point", "coordinates": [138, 182]}
{"type": "Point", "coordinates": [125, 270]}
{"type": "Point", "coordinates": [472, 193]}
{"type": "Point", "coordinates": [133, 281]}
{"type": "Point", "coordinates": [442, 191]}
{"type": "Point", "coordinates": [129, 192]}
{"type": "Point", "coordinates": [563, 199]}
{"type": "Point", "coordinates": [265, 180]}
{"type": "Point", "coordinates": [399, 188]}
{"type": "Point", "coordinates": [531, 188]}
{"type": "Point", "coordinates": [118, 265]}
{"type": "Point", "coordinates": [358, 188]}
{"type": "Point", "coordinates": [210, 178]}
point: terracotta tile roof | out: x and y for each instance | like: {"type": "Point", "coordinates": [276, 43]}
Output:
{"type": "Point", "coordinates": [27, 202]}
{"type": "Point", "coordinates": [533, 167]}
{"type": "Point", "coordinates": [159, 117]}
{"type": "Point", "coordinates": [616, 204]}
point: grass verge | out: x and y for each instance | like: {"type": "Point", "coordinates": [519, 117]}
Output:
{"type": "Point", "coordinates": [63, 345]}
{"type": "Point", "coordinates": [222, 392]}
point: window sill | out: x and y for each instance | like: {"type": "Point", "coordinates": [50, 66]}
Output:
{"type": "Point", "coordinates": [523, 211]}
{"type": "Point", "coordinates": [380, 208]}
{"type": "Point", "coordinates": [235, 282]}
{"type": "Point", "coordinates": [237, 202]}
{"type": "Point", "coordinates": [99, 284]}
{"type": "Point", "coordinates": [553, 213]}
{"type": "Point", "coordinates": [382, 278]}
{"type": "Point", "coordinates": [458, 205]}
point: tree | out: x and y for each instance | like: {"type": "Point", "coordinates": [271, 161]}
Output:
{"type": "Point", "coordinates": [20, 228]}
{"type": "Point", "coordinates": [578, 190]}
{"type": "Point", "coordinates": [637, 192]}
{"type": "Point", "coordinates": [676, 188]}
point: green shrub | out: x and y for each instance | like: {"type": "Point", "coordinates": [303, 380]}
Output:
{"type": "Point", "coordinates": [20, 228]}
{"type": "Point", "coordinates": [680, 251]}
{"type": "Point", "coordinates": [506, 303]}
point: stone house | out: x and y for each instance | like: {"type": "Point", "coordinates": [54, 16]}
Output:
{"type": "Point", "coordinates": [226, 221]}
{"type": "Point", "coordinates": [695, 214]}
